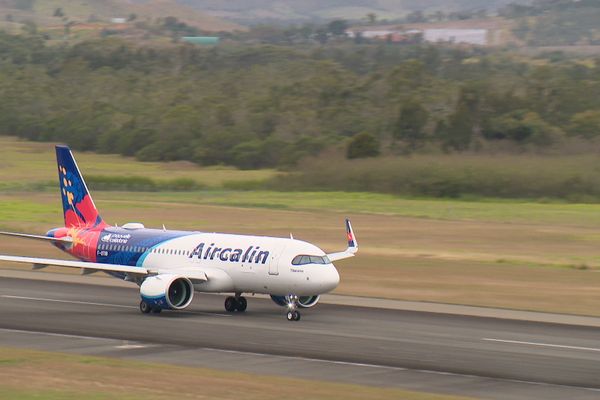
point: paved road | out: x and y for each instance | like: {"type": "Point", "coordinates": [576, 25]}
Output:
{"type": "Point", "coordinates": [484, 357]}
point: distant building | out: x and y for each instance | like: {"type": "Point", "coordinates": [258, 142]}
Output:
{"type": "Point", "coordinates": [118, 20]}
{"type": "Point", "coordinates": [418, 32]}
{"type": "Point", "coordinates": [469, 36]}
{"type": "Point", "coordinates": [391, 35]}
{"type": "Point", "coordinates": [203, 40]}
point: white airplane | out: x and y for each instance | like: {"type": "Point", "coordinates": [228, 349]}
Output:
{"type": "Point", "coordinates": [169, 265]}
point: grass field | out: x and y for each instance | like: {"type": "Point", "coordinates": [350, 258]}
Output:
{"type": "Point", "coordinates": [28, 164]}
{"type": "Point", "coordinates": [27, 374]}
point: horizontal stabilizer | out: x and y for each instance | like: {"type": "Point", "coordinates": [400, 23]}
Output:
{"type": "Point", "coordinates": [38, 237]}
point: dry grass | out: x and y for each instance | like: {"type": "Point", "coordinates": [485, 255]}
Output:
{"type": "Point", "coordinates": [575, 178]}
{"type": "Point", "coordinates": [533, 266]}
{"type": "Point", "coordinates": [27, 163]}
{"type": "Point", "coordinates": [27, 374]}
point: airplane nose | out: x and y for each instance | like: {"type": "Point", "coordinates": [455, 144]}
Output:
{"type": "Point", "coordinates": [332, 279]}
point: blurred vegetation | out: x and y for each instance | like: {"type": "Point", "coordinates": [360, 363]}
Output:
{"type": "Point", "coordinates": [141, 184]}
{"type": "Point", "coordinates": [556, 22]}
{"type": "Point", "coordinates": [574, 178]}
{"type": "Point", "coordinates": [254, 105]}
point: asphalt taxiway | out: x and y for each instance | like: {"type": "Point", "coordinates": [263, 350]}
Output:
{"type": "Point", "coordinates": [429, 351]}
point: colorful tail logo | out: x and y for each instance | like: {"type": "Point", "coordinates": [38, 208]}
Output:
{"type": "Point", "coordinates": [78, 207]}
{"type": "Point", "coordinates": [350, 234]}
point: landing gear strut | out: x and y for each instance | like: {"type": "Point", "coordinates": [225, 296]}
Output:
{"type": "Point", "coordinates": [292, 308]}
{"type": "Point", "coordinates": [237, 303]}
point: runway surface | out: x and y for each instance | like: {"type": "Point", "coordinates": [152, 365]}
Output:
{"type": "Point", "coordinates": [475, 356]}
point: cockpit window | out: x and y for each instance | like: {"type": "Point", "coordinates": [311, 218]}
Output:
{"type": "Point", "coordinates": [304, 259]}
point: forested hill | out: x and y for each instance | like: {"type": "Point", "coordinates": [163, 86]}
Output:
{"type": "Point", "coordinates": [256, 106]}
{"type": "Point", "coordinates": [253, 11]}
{"type": "Point", "coordinates": [556, 22]}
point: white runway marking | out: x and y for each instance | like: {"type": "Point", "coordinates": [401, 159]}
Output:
{"type": "Point", "coordinates": [399, 369]}
{"type": "Point", "coordinates": [558, 346]}
{"type": "Point", "coordinates": [6, 296]}
{"type": "Point", "coordinates": [424, 371]}
{"type": "Point", "coordinates": [62, 335]}
{"type": "Point", "coordinates": [354, 364]}
{"type": "Point", "coordinates": [132, 346]}
{"type": "Point", "coordinates": [65, 301]}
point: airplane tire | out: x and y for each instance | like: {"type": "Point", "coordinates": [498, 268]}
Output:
{"type": "Point", "coordinates": [230, 304]}
{"type": "Point", "coordinates": [145, 307]}
{"type": "Point", "coordinates": [290, 316]}
{"type": "Point", "coordinates": [242, 304]}
{"type": "Point", "coordinates": [296, 316]}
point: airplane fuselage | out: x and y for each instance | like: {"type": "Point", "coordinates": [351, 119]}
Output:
{"type": "Point", "coordinates": [241, 263]}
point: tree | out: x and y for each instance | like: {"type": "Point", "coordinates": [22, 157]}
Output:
{"type": "Point", "coordinates": [372, 18]}
{"type": "Point", "coordinates": [586, 124]}
{"type": "Point", "coordinates": [363, 145]}
{"type": "Point", "coordinates": [523, 126]}
{"type": "Point", "coordinates": [337, 27]}
{"type": "Point", "coordinates": [410, 123]}
{"type": "Point", "coordinates": [416, 17]}
{"type": "Point", "coordinates": [459, 132]}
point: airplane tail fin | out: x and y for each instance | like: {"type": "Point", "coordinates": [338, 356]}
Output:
{"type": "Point", "coordinates": [78, 207]}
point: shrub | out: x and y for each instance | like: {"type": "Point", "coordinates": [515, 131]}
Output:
{"type": "Point", "coordinates": [363, 145]}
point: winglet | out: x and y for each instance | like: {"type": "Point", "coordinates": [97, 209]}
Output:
{"type": "Point", "coordinates": [352, 245]}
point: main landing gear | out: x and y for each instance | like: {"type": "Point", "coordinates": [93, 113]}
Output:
{"type": "Point", "coordinates": [292, 308]}
{"type": "Point", "coordinates": [237, 303]}
{"type": "Point", "coordinates": [146, 309]}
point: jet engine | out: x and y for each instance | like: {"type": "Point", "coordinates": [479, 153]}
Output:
{"type": "Point", "coordinates": [303, 301]}
{"type": "Point", "coordinates": [170, 292]}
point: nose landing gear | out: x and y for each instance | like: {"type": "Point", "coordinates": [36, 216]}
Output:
{"type": "Point", "coordinates": [292, 308]}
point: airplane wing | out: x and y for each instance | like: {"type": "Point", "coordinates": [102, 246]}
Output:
{"type": "Point", "coordinates": [85, 266]}
{"type": "Point", "coordinates": [352, 245]}
{"type": "Point", "coordinates": [194, 274]}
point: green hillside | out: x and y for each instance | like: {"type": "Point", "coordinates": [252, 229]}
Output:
{"type": "Point", "coordinates": [49, 13]}
{"type": "Point", "coordinates": [557, 22]}
{"type": "Point", "coordinates": [251, 11]}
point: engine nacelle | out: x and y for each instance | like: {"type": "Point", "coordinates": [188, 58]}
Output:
{"type": "Point", "coordinates": [303, 301]}
{"type": "Point", "coordinates": [170, 292]}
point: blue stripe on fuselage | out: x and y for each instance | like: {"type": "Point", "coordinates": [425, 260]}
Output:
{"type": "Point", "coordinates": [126, 241]}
